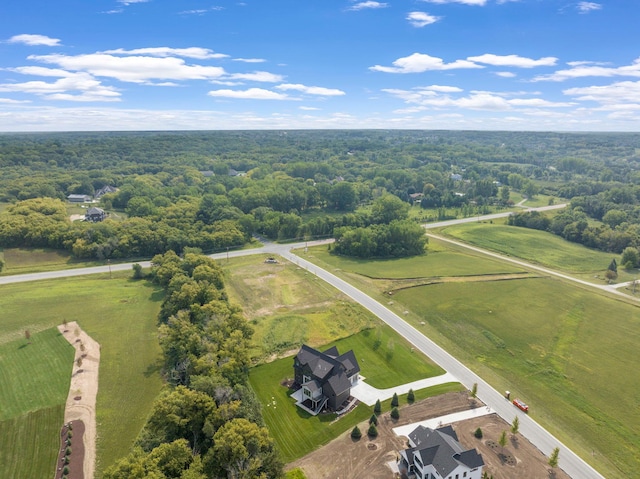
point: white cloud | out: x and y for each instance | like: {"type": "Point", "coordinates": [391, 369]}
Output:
{"type": "Point", "coordinates": [512, 60]}
{"type": "Point", "coordinates": [34, 40]}
{"type": "Point", "coordinates": [367, 4]}
{"type": "Point", "coordinates": [309, 108]}
{"type": "Point", "coordinates": [250, 94]}
{"type": "Point", "coordinates": [421, 19]}
{"type": "Point", "coordinates": [311, 90]}
{"type": "Point", "coordinates": [613, 94]}
{"type": "Point", "coordinates": [439, 97]}
{"type": "Point", "coordinates": [441, 88]}
{"type": "Point", "coordinates": [586, 7]}
{"type": "Point", "coordinates": [129, 2]}
{"type": "Point", "coordinates": [191, 52]}
{"type": "Point", "coordinates": [592, 69]}
{"type": "Point", "coordinates": [135, 69]}
{"type": "Point", "coordinates": [9, 101]}
{"type": "Point", "coordinates": [87, 88]}
{"type": "Point", "coordinates": [257, 76]}
{"type": "Point", "coordinates": [250, 60]}
{"type": "Point", "coordinates": [464, 2]}
{"type": "Point", "coordinates": [420, 62]}
{"type": "Point", "coordinates": [506, 74]}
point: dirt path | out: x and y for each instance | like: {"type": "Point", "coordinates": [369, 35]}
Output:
{"type": "Point", "coordinates": [81, 402]}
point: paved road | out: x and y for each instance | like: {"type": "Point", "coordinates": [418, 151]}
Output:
{"type": "Point", "coordinates": [570, 462]}
{"type": "Point", "coordinates": [536, 434]}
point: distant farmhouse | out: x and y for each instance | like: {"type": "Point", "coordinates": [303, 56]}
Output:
{"type": "Point", "coordinates": [324, 379]}
{"type": "Point", "coordinates": [95, 215]}
{"type": "Point", "coordinates": [437, 454]}
{"type": "Point", "coordinates": [105, 190]}
{"type": "Point", "coordinates": [79, 198]}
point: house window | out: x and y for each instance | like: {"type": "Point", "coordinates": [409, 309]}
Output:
{"type": "Point", "coordinates": [305, 379]}
{"type": "Point", "coordinates": [306, 392]}
{"type": "Point", "coordinates": [464, 474]}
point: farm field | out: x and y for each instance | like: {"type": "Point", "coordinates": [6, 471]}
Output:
{"type": "Point", "coordinates": [568, 352]}
{"type": "Point", "coordinates": [35, 378]}
{"type": "Point", "coordinates": [121, 315]}
{"type": "Point", "coordinates": [538, 247]}
{"type": "Point", "coordinates": [389, 364]}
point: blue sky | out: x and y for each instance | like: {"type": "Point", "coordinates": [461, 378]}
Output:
{"type": "Point", "coordinates": [73, 65]}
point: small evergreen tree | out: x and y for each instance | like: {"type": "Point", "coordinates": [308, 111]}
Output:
{"type": "Point", "coordinates": [553, 458]}
{"type": "Point", "coordinates": [378, 407]}
{"type": "Point", "coordinates": [478, 433]}
{"type": "Point", "coordinates": [395, 414]}
{"type": "Point", "coordinates": [373, 431]}
{"type": "Point", "coordinates": [356, 433]}
{"type": "Point", "coordinates": [373, 419]}
{"type": "Point", "coordinates": [515, 426]}
{"type": "Point", "coordinates": [474, 390]}
{"type": "Point", "coordinates": [411, 397]}
{"type": "Point", "coordinates": [394, 400]}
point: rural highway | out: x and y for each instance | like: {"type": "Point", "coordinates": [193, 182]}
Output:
{"type": "Point", "coordinates": [536, 434]}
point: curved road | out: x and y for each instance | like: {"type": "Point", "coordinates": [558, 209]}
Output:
{"type": "Point", "coordinates": [568, 461]}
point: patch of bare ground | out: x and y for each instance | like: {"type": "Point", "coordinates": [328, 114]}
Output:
{"type": "Point", "coordinates": [81, 401]}
{"type": "Point", "coordinates": [71, 436]}
{"type": "Point", "coordinates": [368, 458]}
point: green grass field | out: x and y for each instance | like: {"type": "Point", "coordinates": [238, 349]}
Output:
{"type": "Point", "coordinates": [35, 379]}
{"type": "Point", "coordinates": [390, 364]}
{"type": "Point", "coordinates": [121, 315]}
{"type": "Point", "coordinates": [534, 246]}
{"type": "Point", "coordinates": [31, 260]}
{"type": "Point", "coordinates": [440, 260]}
{"type": "Point", "coordinates": [569, 353]}
{"type": "Point", "coordinates": [288, 307]}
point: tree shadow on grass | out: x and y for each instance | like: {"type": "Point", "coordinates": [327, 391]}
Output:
{"type": "Point", "coordinates": [153, 369]}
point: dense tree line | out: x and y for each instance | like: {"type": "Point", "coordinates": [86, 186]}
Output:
{"type": "Point", "coordinates": [207, 423]}
{"type": "Point", "coordinates": [182, 189]}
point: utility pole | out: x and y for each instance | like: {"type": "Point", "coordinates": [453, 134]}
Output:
{"type": "Point", "coordinates": [109, 265]}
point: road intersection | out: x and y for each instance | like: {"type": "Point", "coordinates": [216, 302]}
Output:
{"type": "Point", "coordinates": [536, 434]}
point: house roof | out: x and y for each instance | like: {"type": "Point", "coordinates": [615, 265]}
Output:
{"type": "Point", "coordinates": [440, 448]}
{"type": "Point", "coordinates": [329, 364]}
{"type": "Point", "coordinates": [95, 211]}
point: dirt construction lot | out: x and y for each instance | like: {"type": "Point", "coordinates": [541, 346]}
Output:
{"type": "Point", "coordinates": [345, 458]}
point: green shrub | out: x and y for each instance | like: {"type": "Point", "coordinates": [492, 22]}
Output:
{"type": "Point", "coordinates": [373, 419]}
{"type": "Point", "coordinates": [378, 407]}
{"type": "Point", "coordinates": [478, 433]}
{"type": "Point", "coordinates": [356, 433]}
{"type": "Point", "coordinates": [411, 397]}
{"type": "Point", "coordinates": [65, 470]}
{"type": "Point", "coordinates": [395, 414]}
{"type": "Point", "coordinates": [67, 451]}
{"type": "Point", "coordinates": [394, 400]}
{"type": "Point", "coordinates": [373, 431]}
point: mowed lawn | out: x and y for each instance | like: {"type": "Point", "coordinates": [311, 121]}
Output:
{"type": "Point", "coordinates": [119, 313]}
{"type": "Point", "coordinates": [30, 260]}
{"type": "Point", "coordinates": [35, 379]}
{"type": "Point", "coordinates": [385, 359]}
{"type": "Point", "coordinates": [439, 261]}
{"type": "Point", "coordinates": [570, 354]}
{"type": "Point", "coordinates": [535, 246]}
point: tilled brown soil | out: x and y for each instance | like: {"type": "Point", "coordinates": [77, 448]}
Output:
{"type": "Point", "coordinates": [76, 458]}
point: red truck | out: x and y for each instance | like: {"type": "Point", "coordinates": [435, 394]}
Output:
{"type": "Point", "coordinates": [521, 405]}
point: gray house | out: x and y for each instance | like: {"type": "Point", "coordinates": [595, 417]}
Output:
{"type": "Point", "coordinates": [95, 215]}
{"type": "Point", "coordinates": [324, 379]}
{"type": "Point", "coordinates": [437, 454]}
